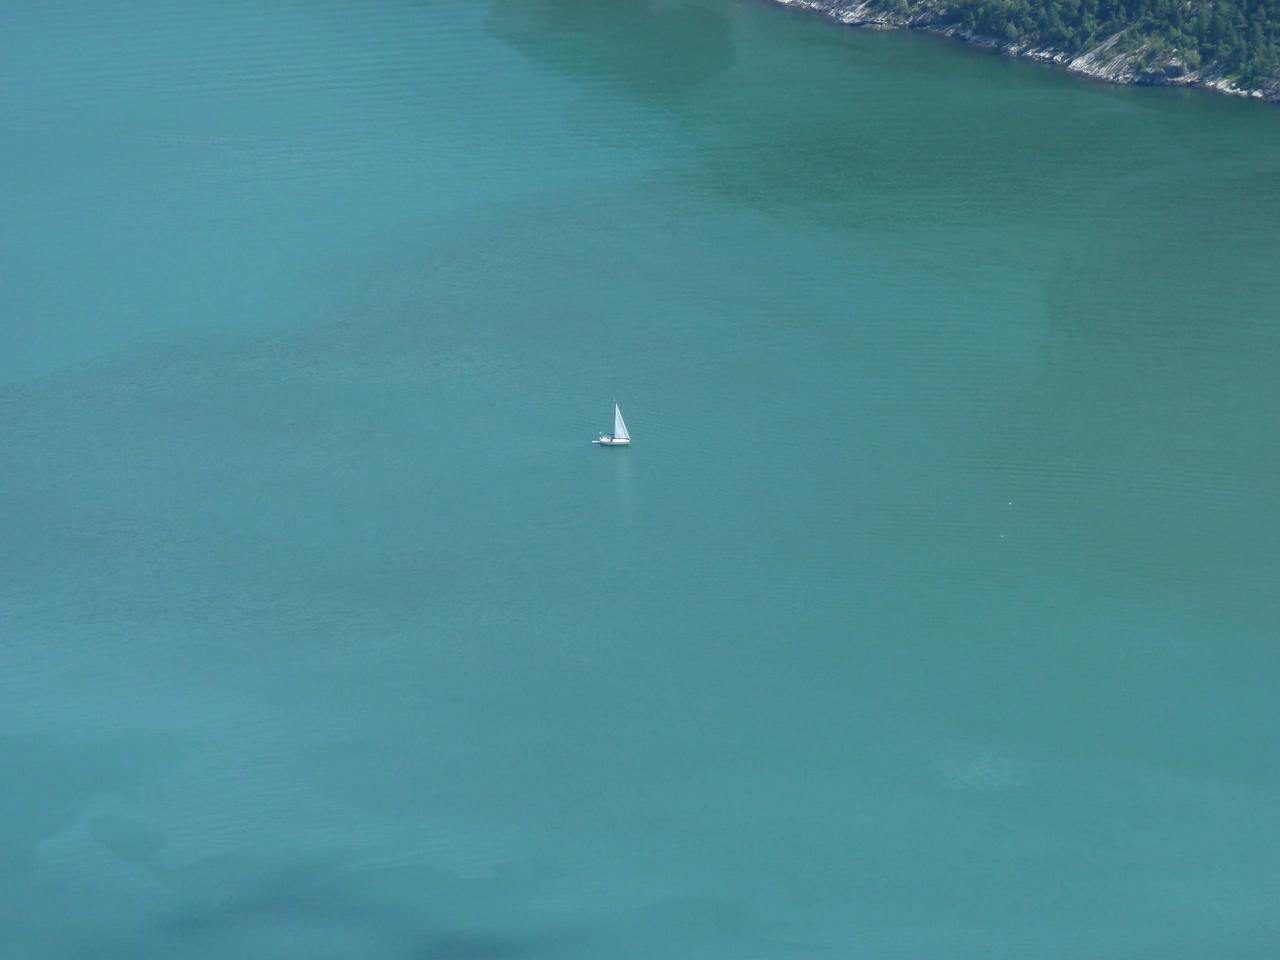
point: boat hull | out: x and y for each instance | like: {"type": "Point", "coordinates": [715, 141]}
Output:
{"type": "Point", "coordinates": [612, 442]}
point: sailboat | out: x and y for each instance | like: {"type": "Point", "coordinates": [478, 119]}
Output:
{"type": "Point", "coordinates": [619, 437]}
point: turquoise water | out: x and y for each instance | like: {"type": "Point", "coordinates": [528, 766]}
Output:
{"type": "Point", "coordinates": [931, 615]}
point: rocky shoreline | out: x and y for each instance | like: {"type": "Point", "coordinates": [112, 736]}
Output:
{"type": "Point", "coordinates": [1116, 59]}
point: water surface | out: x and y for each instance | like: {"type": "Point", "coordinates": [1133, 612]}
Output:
{"type": "Point", "coordinates": [931, 614]}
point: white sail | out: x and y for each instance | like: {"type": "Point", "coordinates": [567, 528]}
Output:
{"type": "Point", "coordinates": [619, 428]}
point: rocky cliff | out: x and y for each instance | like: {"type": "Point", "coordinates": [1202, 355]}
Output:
{"type": "Point", "coordinates": [1124, 56]}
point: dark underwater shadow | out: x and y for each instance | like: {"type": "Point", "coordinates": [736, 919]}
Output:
{"type": "Point", "coordinates": [652, 52]}
{"type": "Point", "coordinates": [238, 905]}
{"type": "Point", "coordinates": [795, 116]}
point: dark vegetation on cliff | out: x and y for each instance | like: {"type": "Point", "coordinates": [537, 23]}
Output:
{"type": "Point", "coordinates": [1238, 40]}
